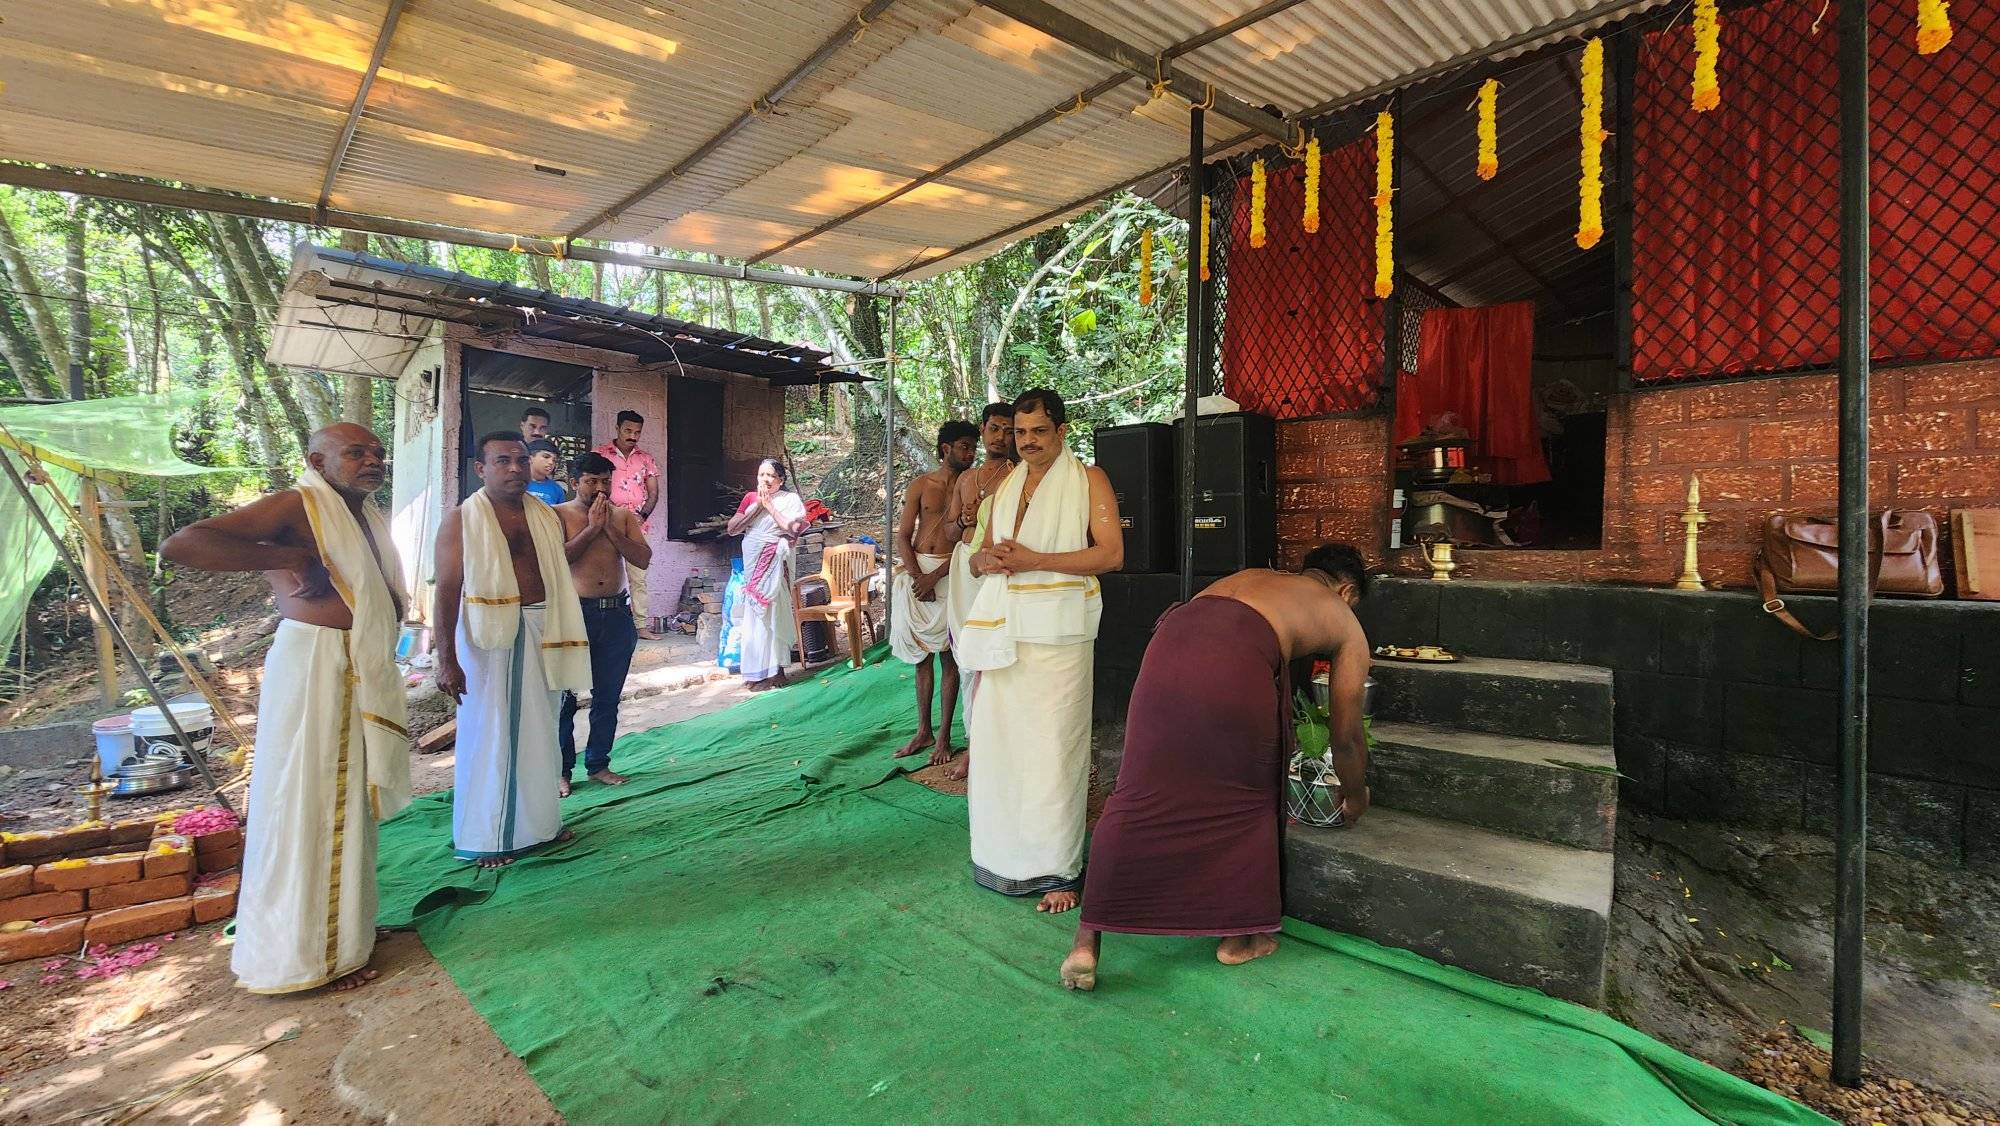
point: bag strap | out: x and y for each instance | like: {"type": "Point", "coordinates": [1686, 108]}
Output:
{"type": "Point", "coordinates": [1775, 606]}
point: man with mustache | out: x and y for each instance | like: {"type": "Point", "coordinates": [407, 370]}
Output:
{"type": "Point", "coordinates": [1031, 632]}
{"type": "Point", "coordinates": [332, 752]}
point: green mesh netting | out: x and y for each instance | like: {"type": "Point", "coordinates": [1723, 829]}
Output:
{"type": "Point", "coordinates": [130, 435]}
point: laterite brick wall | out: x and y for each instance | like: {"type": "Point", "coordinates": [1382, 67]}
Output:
{"type": "Point", "coordinates": [1760, 447]}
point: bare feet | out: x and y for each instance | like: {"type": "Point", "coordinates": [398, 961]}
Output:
{"type": "Point", "coordinates": [562, 788]}
{"type": "Point", "coordinates": [494, 861]}
{"type": "Point", "coordinates": [563, 837]}
{"type": "Point", "coordinates": [1079, 970]}
{"type": "Point", "coordinates": [1056, 902]}
{"type": "Point", "coordinates": [649, 635]}
{"type": "Point", "coordinates": [942, 753]}
{"type": "Point", "coordinates": [917, 743]}
{"type": "Point", "coordinates": [959, 769]}
{"type": "Point", "coordinates": [609, 777]}
{"type": "Point", "coordinates": [355, 980]}
{"type": "Point", "coordinates": [1240, 948]}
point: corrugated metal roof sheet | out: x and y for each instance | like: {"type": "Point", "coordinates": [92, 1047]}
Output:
{"type": "Point", "coordinates": [605, 96]}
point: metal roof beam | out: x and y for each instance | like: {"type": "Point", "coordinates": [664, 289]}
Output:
{"type": "Point", "coordinates": [1046, 117]}
{"type": "Point", "coordinates": [827, 49]}
{"type": "Point", "coordinates": [353, 122]}
{"type": "Point", "coordinates": [1078, 33]}
{"type": "Point", "coordinates": [194, 199]}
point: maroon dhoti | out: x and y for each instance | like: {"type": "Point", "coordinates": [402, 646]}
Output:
{"type": "Point", "coordinates": [1189, 840]}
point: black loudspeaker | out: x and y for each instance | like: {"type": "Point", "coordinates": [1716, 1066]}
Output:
{"type": "Point", "coordinates": [1235, 493]}
{"type": "Point", "coordinates": [1139, 459]}
{"type": "Point", "coordinates": [815, 642]}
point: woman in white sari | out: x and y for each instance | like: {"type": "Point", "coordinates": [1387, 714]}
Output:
{"type": "Point", "coordinates": [769, 520]}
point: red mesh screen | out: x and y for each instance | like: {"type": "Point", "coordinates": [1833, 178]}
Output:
{"type": "Point", "coordinates": [1301, 333]}
{"type": "Point", "coordinates": [1736, 215]}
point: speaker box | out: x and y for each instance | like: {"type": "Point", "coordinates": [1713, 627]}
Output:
{"type": "Point", "coordinates": [1139, 459]}
{"type": "Point", "coordinates": [1235, 493]}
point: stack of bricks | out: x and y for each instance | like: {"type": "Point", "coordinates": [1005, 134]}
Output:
{"type": "Point", "coordinates": [107, 884]}
{"type": "Point", "coordinates": [1760, 446]}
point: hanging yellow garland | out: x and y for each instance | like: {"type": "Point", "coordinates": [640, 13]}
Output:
{"type": "Point", "coordinates": [1707, 46]}
{"type": "Point", "coordinates": [1933, 26]}
{"type": "Point", "coordinates": [1590, 208]}
{"type": "Point", "coordinates": [1145, 267]}
{"type": "Point", "coordinates": [1257, 204]}
{"type": "Point", "coordinates": [1311, 219]}
{"type": "Point", "coordinates": [1489, 129]}
{"type": "Point", "coordinates": [1385, 186]}
{"type": "Point", "coordinates": [1203, 239]}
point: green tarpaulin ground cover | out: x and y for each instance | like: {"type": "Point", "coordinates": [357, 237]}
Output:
{"type": "Point", "coordinates": [769, 924]}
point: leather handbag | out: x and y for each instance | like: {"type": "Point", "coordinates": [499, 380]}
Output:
{"type": "Point", "coordinates": [1801, 555]}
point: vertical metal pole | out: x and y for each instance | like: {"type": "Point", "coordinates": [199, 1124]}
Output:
{"type": "Point", "coordinates": [1850, 895]}
{"type": "Point", "coordinates": [1197, 311]}
{"type": "Point", "coordinates": [889, 467]}
{"type": "Point", "coordinates": [1625, 71]}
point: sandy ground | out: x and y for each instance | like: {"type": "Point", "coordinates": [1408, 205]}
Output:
{"type": "Point", "coordinates": [408, 1047]}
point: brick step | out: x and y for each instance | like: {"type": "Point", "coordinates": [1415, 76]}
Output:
{"type": "Point", "coordinates": [1524, 699]}
{"type": "Point", "coordinates": [1565, 793]}
{"type": "Point", "coordinates": [1520, 911]}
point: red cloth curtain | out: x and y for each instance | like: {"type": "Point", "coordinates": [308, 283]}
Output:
{"type": "Point", "coordinates": [1301, 333]}
{"type": "Point", "coordinates": [1735, 226]}
{"type": "Point", "coordinates": [1476, 364]}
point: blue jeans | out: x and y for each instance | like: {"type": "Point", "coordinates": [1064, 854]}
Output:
{"type": "Point", "coordinates": [613, 637]}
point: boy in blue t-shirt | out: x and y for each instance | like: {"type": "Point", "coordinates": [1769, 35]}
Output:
{"type": "Point", "coordinates": [542, 482]}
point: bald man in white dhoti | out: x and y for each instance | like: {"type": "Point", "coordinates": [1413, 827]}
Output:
{"type": "Point", "coordinates": [1031, 633]}
{"type": "Point", "coordinates": [332, 752]}
{"type": "Point", "coordinates": [510, 640]}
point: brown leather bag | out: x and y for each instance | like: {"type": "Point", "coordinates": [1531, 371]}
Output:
{"type": "Point", "coordinates": [1801, 555]}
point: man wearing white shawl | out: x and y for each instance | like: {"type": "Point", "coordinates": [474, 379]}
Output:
{"type": "Point", "coordinates": [1031, 632]}
{"type": "Point", "coordinates": [510, 640]}
{"type": "Point", "coordinates": [332, 753]}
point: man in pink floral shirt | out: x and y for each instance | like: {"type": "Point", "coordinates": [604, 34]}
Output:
{"type": "Point", "coordinates": [635, 485]}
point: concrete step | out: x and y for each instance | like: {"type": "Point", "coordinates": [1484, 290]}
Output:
{"type": "Point", "coordinates": [1565, 793]}
{"type": "Point", "coordinates": [1525, 699]}
{"type": "Point", "coordinates": [1519, 911]}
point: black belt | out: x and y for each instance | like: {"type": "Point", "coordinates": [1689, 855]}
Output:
{"type": "Point", "coordinates": [611, 603]}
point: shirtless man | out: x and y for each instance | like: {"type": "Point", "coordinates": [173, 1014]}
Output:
{"type": "Point", "coordinates": [507, 645]}
{"type": "Point", "coordinates": [600, 540]}
{"type": "Point", "coordinates": [968, 497]}
{"type": "Point", "coordinates": [922, 626]}
{"type": "Point", "coordinates": [339, 589]}
{"type": "Point", "coordinates": [1189, 841]}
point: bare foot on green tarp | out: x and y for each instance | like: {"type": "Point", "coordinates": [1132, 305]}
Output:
{"type": "Point", "coordinates": [959, 769]}
{"type": "Point", "coordinates": [1079, 969]}
{"type": "Point", "coordinates": [562, 788]}
{"type": "Point", "coordinates": [942, 751]}
{"type": "Point", "coordinates": [494, 861]}
{"type": "Point", "coordinates": [608, 777]}
{"type": "Point", "coordinates": [355, 980]}
{"type": "Point", "coordinates": [1056, 902]}
{"type": "Point", "coordinates": [917, 743]}
{"type": "Point", "coordinates": [1240, 948]}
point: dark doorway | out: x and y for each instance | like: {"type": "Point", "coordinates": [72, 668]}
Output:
{"type": "Point", "coordinates": [498, 386]}
{"type": "Point", "coordinates": [695, 488]}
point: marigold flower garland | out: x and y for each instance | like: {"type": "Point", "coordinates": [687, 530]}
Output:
{"type": "Point", "coordinates": [1311, 218]}
{"type": "Point", "coordinates": [1385, 186]}
{"type": "Point", "coordinates": [1590, 188]}
{"type": "Point", "coordinates": [1145, 267]}
{"type": "Point", "coordinates": [1489, 129]}
{"type": "Point", "coordinates": [1257, 204]}
{"type": "Point", "coordinates": [1933, 26]}
{"type": "Point", "coordinates": [1203, 239]}
{"type": "Point", "coordinates": [1707, 40]}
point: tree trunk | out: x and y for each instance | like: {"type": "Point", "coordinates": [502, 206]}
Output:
{"type": "Point", "coordinates": [161, 371]}
{"type": "Point", "coordinates": [764, 312]}
{"type": "Point", "coordinates": [128, 555]}
{"type": "Point", "coordinates": [27, 288]}
{"type": "Point", "coordinates": [358, 399]}
{"type": "Point", "coordinates": [78, 269]}
{"type": "Point", "coordinates": [538, 269]}
{"type": "Point", "coordinates": [23, 357]}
